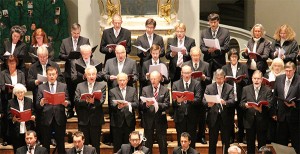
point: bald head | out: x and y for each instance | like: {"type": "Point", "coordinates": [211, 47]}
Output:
{"type": "Point", "coordinates": [155, 78]}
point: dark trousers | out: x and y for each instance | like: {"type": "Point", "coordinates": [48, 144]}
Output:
{"type": "Point", "coordinates": [121, 135]}
{"type": "Point", "coordinates": [288, 130]}
{"type": "Point", "coordinates": [240, 114]}
{"type": "Point", "coordinates": [71, 87]}
{"type": "Point", "coordinates": [161, 135]}
{"type": "Point", "coordinates": [18, 140]}
{"type": "Point", "coordinates": [251, 134]}
{"type": "Point", "coordinates": [60, 132]}
{"type": "Point", "coordinates": [214, 133]}
{"type": "Point", "coordinates": [202, 122]}
{"type": "Point", "coordinates": [92, 135]}
{"type": "Point", "coordinates": [186, 125]}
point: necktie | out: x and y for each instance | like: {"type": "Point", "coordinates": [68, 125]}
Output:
{"type": "Point", "coordinates": [196, 66]}
{"type": "Point", "coordinates": [220, 94]}
{"type": "Point", "coordinates": [214, 34]}
{"type": "Point", "coordinates": [52, 88]}
{"type": "Point", "coordinates": [90, 88]}
{"type": "Point", "coordinates": [123, 93]}
{"type": "Point", "coordinates": [44, 70]}
{"type": "Point", "coordinates": [155, 63]}
{"type": "Point", "coordinates": [186, 86]}
{"type": "Point", "coordinates": [150, 40]}
{"type": "Point", "coordinates": [286, 87]}
{"type": "Point", "coordinates": [87, 63]}
{"type": "Point", "coordinates": [30, 149]}
{"type": "Point", "coordinates": [116, 33]}
{"type": "Point", "coordinates": [75, 44]}
{"type": "Point", "coordinates": [155, 92]}
{"type": "Point", "coordinates": [120, 67]}
{"type": "Point", "coordinates": [180, 42]}
{"type": "Point", "coordinates": [78, 151]}
{"type": "Point", "coordinates": [256, 93]}
{"type": "Point", "coordinates": [183, 152]}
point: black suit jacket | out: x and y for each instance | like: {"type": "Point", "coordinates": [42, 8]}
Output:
{"type": "Point", "coordinates": [19, 52]}
{"type": "Point", "coordinates": [145, 69]}
{"type": "Point", "coordinates": [241, 69]}
{"type": "Point", "coordinates": [204, 68]}
{"type": "Point", "coordinates": [89, 113]}
{"type": "Point", "coordinates": [290, 114]}
{"type": "Point", "coordinates": [227, 95]}
{"type": "Point", "coordinates": [143, 42]}
{"type": "Point", "coordinates": [37, 150]}
{"type": "Point", "coordinates": [291, 49]}
{"type": "Point", "coordinates": [265, 94]}
{"type": "Point", "coordinates": [263, 49]}
{"type": "Point", "coordinates": [67, 47]}
{"type": "Point", "coordinates": [191, 106]}
{"type": "Point", "coordinates": [188, 43]}
{"type": "Point", "coordinates": [77, 76]}
{"type": "Point", "coordinates": [119, 116]}
{"type": "Point", "coordinates": [14, 128]}
{"type": "Point", "coordinates": [178, 150]}
{"type": "Point", "coordinates": [149, 115]}
{"type": "Point", "coordinates": [108, 37]}
{"type": "Point", "coordinates": [6, 78]}
{"type": "Point", "coordinates": [128, 149]}
{"type": "Point", "coordinates": [86, 150]}
{"type": "Point", "coordinates": [218, 57]}
{"type": "Point", "coordinates": [48, 112]}
{"type": "Point", "coordinates": [111, 68]}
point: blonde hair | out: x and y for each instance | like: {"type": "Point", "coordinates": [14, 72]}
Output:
{"type": "Point", "coordinates": [180, 25]}
{"type": "Point", "coordinates": [277, 61]}
{"type": "Point", "coordinates": [290, 33]}
{"type": "Point", "coordinates": [42, 50]}
{"type": "Point", "coordinates": [85, 47]}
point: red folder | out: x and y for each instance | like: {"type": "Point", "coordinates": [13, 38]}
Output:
{"type": "Point", "coordinates": [95, 94]}
{"type": "Point", "coordinates": [257, 56]}
{"type": "Point", "coordinates": [235, 79]}
{"type": "Point", "coordinates": [189, 95]}
{"type": "Point", "coordinates": [197, 74]}
{"type": "Point", "coordinates": [265, 103]}
{"type": "Point", "coordinates": [265, 81]}
{"type": "Point", "coordinates": [23, 115]}
{"type": "Point", "coordinates": [55, 99]}
{"type": "Point", "coordinates": [113, 46]}
{"type": "Point", "coordinates": [9, 86]}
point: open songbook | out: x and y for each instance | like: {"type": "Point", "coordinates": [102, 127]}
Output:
{"type": "Point", "coordinates": [141, 48]}
{"type": "Point", "coordinates": [212, 43]}
{"type": "Point", "coordinates": [74, 55]}
{"type": "Point", "coordinates": [123, 102]}
{"type": "Point", "coordinates": [54, 99]}
{"type": "Point", "coordinates": [23, 115]}
{"type": "Point", "coordinates": [289, 101]}
{"type": "Point", "coordinates": [189, 95]}
{"type": "Point", "coordinates": [267, 82]}
{"type": "Point", "coordinates": [235, 79]}
{"type": "Point", "coordinates": [96, 94]}
{"type": "Point", "coordinates": [150, 99]}
{"type": "Point", "coordinates": [176, 49]}
{"type": "Point", "coordinates": [113, 46]}
{"type": "Point", "coordinates": [42, 78]}
{"type": "Point", "coordinates": [265, 103]}
{"type": "Point", "coordinates": [161, 68]}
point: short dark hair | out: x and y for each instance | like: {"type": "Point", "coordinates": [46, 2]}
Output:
{"type": "Point", "coordinates": [186, 134]}
{"type": "Point", "coordinates": [150, 21]}
{"type": "Point", "coordinates": [79, 134]}
{"type": "Point", "coordinates": [213, 16]}
{"type": "Point", "coordinates": [233, 51]}
{"type": "Point", "coordinates": [50, 68]}
{"type": "Point", "coordinates": [134, 133]}
{"type": "Point", "coordinates": [12, 58]}
{"type": "Point", "coordinates": [75, 26]}
{"type": "Point", "coordinates": [290, 65]}
{"type": "Point", "coordinates": [31, 132]}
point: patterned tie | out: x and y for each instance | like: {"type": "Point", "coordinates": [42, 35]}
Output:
{"type": "Point", "coordinates": [52, 88]}
{"type": "Point", "coordinates": [116, 33]}
{"type": "Point", "coordinates": [75, 44]}
{"type": "Point", "coordinates": [30, 149]}
{"type": "Point", "coordinates": [256, 93]}
{"type": "Point", "coordinates": [196, 66]}
{"type": "Point", "coordinates": [180, 55]}
{"type": "Point", "coordinates": [155, 92]}
{"type": "Point", "coordinates": [214, 34]}
{"type": "Point", "coordinates": [155, 63]}
{"type": "Point", "coordinates": [78, 151]}
{"type": "Point", "coordinates": [44, 70]}
{"type": "Point", "coordinates": [286, 87]}
{"type": "Point", "coordinates": [186, 86]}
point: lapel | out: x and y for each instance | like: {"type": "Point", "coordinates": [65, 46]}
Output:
{"type": "Point", "coordinates": [7, 76]}
{"type": "Point", "coordinates": [112, 35]}
{"type": "Point", "coordinates": [181, 86]}
{"type": "Point", "coordinates": [230, 73]}
{"type": "Point", "coordinates": [115, 67]}
{"type": "Point", "coordinates": [16, 104]}
{"type": "Point", "coordinates": [223, 90]}
{"type": "Point", "coordinates": [292, 85]}
{"type": "Point", "coordinates": [151, 91]}
{"type": "Point", "coordinates": [252, 92]}
{"type": "Point", "coordinates": [18, 77]}
{"type": "Point", "coordinates": [147, 45]}
{"type": "Point", "coordinates": [124, 65]}
{"type": "Point", "coordinates": [48, 88]}
{"type": "Point", "coordinates": [9, 46]}
{"type": "Point", "coordinates": [127, 92]}
{"type": "Point", "coordinates": [210, 33]}
{"type": "Point", "coordinates": [120, 93]}
{"type": "Point", "coordinates": [260, 93]}
{"type": "Point", "coordinates": [26, 104]}
{"type": "Point", "coordinates": [186, 42]}
{"type": "Point", "coordinates": [239, 71]}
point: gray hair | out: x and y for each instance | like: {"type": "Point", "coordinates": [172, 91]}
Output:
{"type": "Point", "coordinates": [220, 72]}
{"type": "Point", "coordinates": [42, 50]}
{"type": "Point", "coordinates": [90, 67]}
{"type": "Point", "coordinates": [261, 28]}
{"type": "Point", "coordinates": [19, 88]}
{"type": "Point", "coordinates": [234, 148]}
{"type": "Point", "coordinates": [85, 47]}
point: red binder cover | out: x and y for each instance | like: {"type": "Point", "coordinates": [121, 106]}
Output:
{"type": "Point", "coordinates": [96, 94]}
{"type": "Point", "coordinates": [235, 79]}
{"type": "Point", "coordinates": [197, 74]}
{"type": "Point", "coordinates": [55, 99]}
{"type": "Point", "coordinates": [189, 95]}
{"type": "Point", "coordinates": [113, 46]}
{"type": "Point", "coordinates": [265, 103]}
{"type": "Point", "coordinates": [265, 81]}
{"type": "Point", "coordinates": [23, 115]}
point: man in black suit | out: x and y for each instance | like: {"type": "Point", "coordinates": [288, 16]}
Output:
{"type": "Point", "coordinates": [79, 145]}
{"type": "Point", "coordinates": [53, 117]}
{"type": "Point", "coordinates": [287, 87]}
{"type": "Point", "coordinates": [68, 45]}
{"type": "Point", "coordinates": [256, 118]}
{"type": "Point", "coordinates": [178, 58]}
{"type": "Point", "coordinates": [144, 76]}
{"type": "Point", "coordinates": [89, 111]}
{"type": "Point", "coordinates": [119, 64]}
{"type": "Point", "coordinates": [215, 57]}
{"type": "Point", "coordinates": [40, 67]}
{"type": "Point", "coordinates": [218, 117]}
{"type": "Point", "coordinates": [85, 60]}
{"type": "Point", "coordinates": [155, 118]}
{"type": "Point", "coordinates": [135, 145]}
{"type": "Point", "coordinates": [147, 40]}
{"type": "Point", "coordinates": [198, 65]}
{"type": "Point", "coordinates": [185, 111]}
{"type": "Point", "coordinates": [185, 140]}
{"type": "Point", "coordinates": [235, 69]}
{"type": "Point", "coordinates": [123, 101]}
{"type": "Point", "coordinates": [115, 35]}
{"type": "Point", "coordinates": [31, 146]}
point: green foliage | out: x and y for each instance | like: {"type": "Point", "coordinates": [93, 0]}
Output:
{"type": "Point", "coordinates": [44, 14]}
